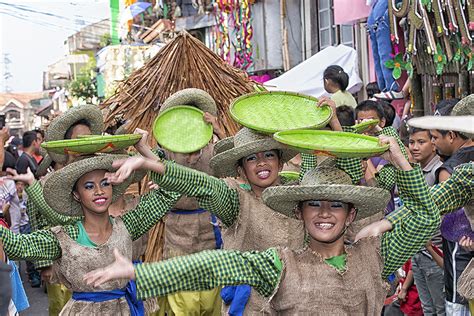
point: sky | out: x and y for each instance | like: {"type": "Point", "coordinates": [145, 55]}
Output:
{"type": "Point", "coordinates": [33, 32]}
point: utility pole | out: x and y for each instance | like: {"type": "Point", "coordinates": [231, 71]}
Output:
{"type": "Point", "coordinates": [6, 72]}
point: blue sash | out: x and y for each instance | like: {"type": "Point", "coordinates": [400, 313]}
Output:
{"type": "Point", "coordinates": [129, 292]}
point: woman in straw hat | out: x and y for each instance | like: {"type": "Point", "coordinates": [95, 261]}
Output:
{"type": "Point", "coordinates": [202, 231]}
{"type": "Point", "coordinates": [326, 277]}
{"type": "Point", "coordinates": [81, 188]}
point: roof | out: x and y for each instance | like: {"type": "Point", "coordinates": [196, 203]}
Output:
{"type": "Point", "coordinates": [23, 97]}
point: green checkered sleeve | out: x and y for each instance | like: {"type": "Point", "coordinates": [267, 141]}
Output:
{"type": "Point", "coordinates": [308, 162]}
{"type": "Point", "coordinates": [38, 245]}
{"type": "Point", "coordinates": [212, 194]}
{"type": "Point", "coordinates": [415, 228]}
{"type": "Point", "coordinates": [209, 269]}
{"type": "Point", "coordinates": [149, 211]}
{"type": "Point", "coordinates": [456, 191]}
{"type": "Point", "coordinates": [53, 218]}
{"type": "Point", "coordinates": [449, 195]}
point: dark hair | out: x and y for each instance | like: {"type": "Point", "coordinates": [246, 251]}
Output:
{"type": "Point", "coordinates": [28, 138]}
{"type": "Point", "coordinates": [68, 133]}
{"type": "Point", "coordinates": [369, 105]}
{"type": "Point", "coordinates": [337, 75]}
{"type": "Point", "coordinates": [371, 89]}
{"type": "Point", "coordinates": [458, 134]}
{"type": "Point", "coordinates": [345, 115]}
{"type": "Point", "coordinates": [240, 162]}
{"type": "Point", "coordinates": [414, 130]}
{"type": "Point", "coordinates": [39, 131]}
{"type": "Point", "coordinates": [389, 112]}
{"type": "Point", "coordinates": [445, 107]}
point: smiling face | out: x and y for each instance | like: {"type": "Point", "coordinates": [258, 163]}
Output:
{"type": "Point", "coordinates": [261, 169]}
{"type": "Point", "coordinates": [93, 192]}
{"type": "Point", "coordinates": [325, 221]}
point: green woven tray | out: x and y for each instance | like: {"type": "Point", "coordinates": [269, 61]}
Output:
{"type": "Point", "coordinates": [289, 176]}
{"type": "Point", "coordinates": [274, 111]}
{"type": "Point", "coordinates": [93, 144]}
{"type": "Point", "coordinates": [362, 127]}
{"type": "Point", "coordinates": [182, 129]}
{"type": "Point", "coordinates": [329, 143]}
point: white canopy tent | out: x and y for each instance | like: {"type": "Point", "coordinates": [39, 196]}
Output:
{"type": "Point", "coordinates": [307, 77]}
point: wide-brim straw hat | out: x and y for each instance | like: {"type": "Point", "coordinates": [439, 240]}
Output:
{"type": "Point", "coordinates": [461, 119]}
{"type": "Point", "coordinates": [58, 186]}
{"type": "Point", "coordinates": [326, 183]}
{"type": "Point", "coordinates": [194, 97]}
{"type": "Point", "coordinates": [245, 142]}
{"type": "Point", "coordinates": [44, 164]}
{"type": "Point", "coordinates": [58, 126]}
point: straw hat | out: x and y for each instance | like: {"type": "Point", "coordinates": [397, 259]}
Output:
{"type": "Point", "coordinates": [223, 145]}
{"type": "Point", "coordinates": [58, 185]}
{"type": "Point", "coordinates": [461, 119]}
{"type": "Point", "coordinates": [58, 126]}
{"type": "Point", "coordinates": [326, 183]}
{"type": "Point", "coordinates": [192, 96]}
{"type": "Point", "coordinates": [245, 142]}
{"type": "Point", "coordinates": [44, 164]}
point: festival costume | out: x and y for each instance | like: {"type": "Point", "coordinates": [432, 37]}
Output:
{"type": "Point", "coordinates": [249, 224]}
{"type": "Point", "coordinates": [299, 281]}
{"type": "Point", "coordinates": [62, 243]}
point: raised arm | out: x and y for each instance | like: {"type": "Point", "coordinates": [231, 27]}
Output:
{"type": "Point", "coordinates": [422, 216]}
{"type": "Point", "coordinates": [149, 211]}
{"type": "Point", "coordinates": [39, 245]}
{"type": "Point", "coordinates": [213, 194]}
{"type": "Point", "coordinates": [202, 271]}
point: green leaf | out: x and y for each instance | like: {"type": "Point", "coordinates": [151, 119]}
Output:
{"type": "Point", "coordinates": [390, 63]}
{"type": "Point", "coordinates": [397, 72]}
{"type": "Point", "coordinates": [469, 65]}
{"type": "Point", "coordinates": [409, 69]}
{"type": "Point", "coordinates": [398, 58]}
{"type": "Point", "coordinates": [439, 68]}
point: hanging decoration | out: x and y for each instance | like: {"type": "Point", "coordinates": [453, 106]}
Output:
{"type": "Point", "coordinates": [439, 35]}
{"type": "Point", "coordinates": [234, 32]}
{"type": "Point", "coordinates": [397, 64]}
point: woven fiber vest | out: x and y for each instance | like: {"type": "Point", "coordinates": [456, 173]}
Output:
{"type": "Point", "coordinates": [258, 227]}
{"type": "Point", "coordinates": [76, 260]}
{"type": "Point", "coordinates": [186, 234]}
{"type": "Point", "coordinates": [309, 286]}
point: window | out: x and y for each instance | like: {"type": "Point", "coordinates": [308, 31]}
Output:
{"type": "Point", "coordinates": [12, 116]}
{"type": "Point", "coordinates": [330, 34]}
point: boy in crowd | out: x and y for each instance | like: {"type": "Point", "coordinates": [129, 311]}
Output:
{"type": "Point", "coordinates": [428, 275]}
{"type": "Point", "coordinates": [30, 147]}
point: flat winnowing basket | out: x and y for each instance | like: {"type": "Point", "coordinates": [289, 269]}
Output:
{"type": "Point", "coordinates": [273, 111]}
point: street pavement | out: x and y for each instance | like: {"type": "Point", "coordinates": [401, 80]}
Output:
{"type": "Point", "coordinates": [36, 296]}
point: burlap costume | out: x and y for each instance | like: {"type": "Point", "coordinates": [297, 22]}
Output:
{"type": "Point", "coordinates": [258, 227]}
{"type": "Point", "coordinates": [77, 260]}
{"type": "Point", "coordinates": [309, 286]}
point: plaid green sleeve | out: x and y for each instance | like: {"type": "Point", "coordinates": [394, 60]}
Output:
{"type": "Point", "coordinates": [386, 176]}
{"type": "Point", "coordinates": [149, 211]}
{"type": "Point", "coordinates": [209, 269]}
{"type": "Point", "coordinates": [213, 194]}
{"type": "Point", "coordinates": [308, 162]}
{"type": "Point", "coordinates": [415, 228]}
{"type": "Point", "coordinates": [53, 218]}
{"type": "Point", "coordinates": [456, 191]}
{"type": "Point", "coordinates": [39, 245]}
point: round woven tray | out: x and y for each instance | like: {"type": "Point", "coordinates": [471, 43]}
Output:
{"type": "Point", "coordinates": [329, 143]}
{"type": "Point", "coordinates": [182, 129]}
{"type": "Point", "coordinates": [273, 111]}
{"type": "Point", "coordinates": [93, 144]}
{"type": "Point", "coordinates": [366, 125]}
{"type": "Point", "coordinates": [289, 175]}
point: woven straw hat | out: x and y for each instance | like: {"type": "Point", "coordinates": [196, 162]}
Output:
{"type": "Point", "coordinates": [45, 163]}
{"type": "Point", "coordinates": [326, 183]}
{"type": "Point", "coordinates": [460, 120]}
{"type": "Point", "coordinates": [223, 145]}
{"type": "Point", "coordinates": [245, 142]}
{"type": "Point", "coordinates": [59, 184]}
{"type": "Point", "coordinates": [58, 127]}
{"type": "Point", "coordinates": [192, 96]}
